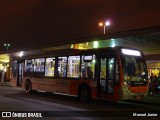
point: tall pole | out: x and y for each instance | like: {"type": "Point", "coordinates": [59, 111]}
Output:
{"type": "Point", "coordinates": [7, 45]}
{"type": "Point", "coordinates": [107, 23]}
{"type": "Point", "coordinates": [104, 29]}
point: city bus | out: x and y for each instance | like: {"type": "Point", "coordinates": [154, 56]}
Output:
{"type": "Point", "coordinates": [111, 73]}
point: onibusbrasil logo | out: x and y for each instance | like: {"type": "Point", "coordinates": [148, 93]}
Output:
{"type": "Point", "coordinates": [21, 114]}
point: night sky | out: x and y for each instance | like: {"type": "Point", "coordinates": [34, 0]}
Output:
{"type": "Point", "coordinates": [29, 23]}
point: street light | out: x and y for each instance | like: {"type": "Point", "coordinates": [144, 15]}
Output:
{"type": "Point", "coordinates": [7, 45]}
{"type": "Point", "coordinates": [107, 23]}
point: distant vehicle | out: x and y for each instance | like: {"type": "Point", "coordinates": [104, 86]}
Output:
{"type": "Point", "coordinates": [108, 73]}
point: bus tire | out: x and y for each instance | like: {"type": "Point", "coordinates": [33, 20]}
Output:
{"type": "Point", "coordinates": [28, 87]}
{"type": "Point", "coordinates": [84, 93]}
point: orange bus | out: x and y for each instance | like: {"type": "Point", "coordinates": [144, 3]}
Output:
{"type": "Point", "coordinates": [107, 73]}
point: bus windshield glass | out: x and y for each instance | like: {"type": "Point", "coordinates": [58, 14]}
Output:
{"type": "Point", "coordinates": [135, 70]}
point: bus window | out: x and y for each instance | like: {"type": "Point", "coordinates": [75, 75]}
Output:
{"type": "Point", "coordinates": [88, 67]}
{"type": "Point", "coordinates": [110, 75]}
{"type": "Point", "coordinates": [39, 65]}
{"type": "Point", "coordinates": [49, 67]}
{"type": "Point", "coordinates": [111, 68]}
{"type": "Point", "coordinates": [73, 66]}
{"type": "Point", "coordinates": [29, 64]}
{"type": "Point", "coordinates": [14, 68]}
{"type": "Point", "coordinates": [103, 69]}
{"type": "Point", "coordinates": [62, 65]}
{"type": "Point", "coordinates": [134, 70]}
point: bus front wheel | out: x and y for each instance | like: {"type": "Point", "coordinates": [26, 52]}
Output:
{"type": "Point", "coordinates": [28, 86]}
{"type": "Point", "coordinates": [84, 94]}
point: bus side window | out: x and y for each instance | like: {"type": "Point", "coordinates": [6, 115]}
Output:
{"type": "Point", "coordinates": [29, 65]}
{"type": "Point", "coordinates": [62, 66]}
{"type": "Point", "coordinates": [49, 67]}
{"type": "Point", "coordinates": [111, 68]}
{"type": "Point", "coordinates": [39, 65]}
{"type": "Point", "coordinates": [89, 72]}
{"type": "Point", "coordinates": [103, 69]}
{"type": "Point", "coordinates": [88, 67]}
{"type": "Point", "coordinates": [14, 68]}
{"type": "Point", "coordinates": [73, 66]}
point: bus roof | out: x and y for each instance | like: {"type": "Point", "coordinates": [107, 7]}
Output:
{"type": "Point", "coordinates": [66, 52]}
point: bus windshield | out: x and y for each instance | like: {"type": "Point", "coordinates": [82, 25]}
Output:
{"type": "Point", "coordinates": [135, 71]}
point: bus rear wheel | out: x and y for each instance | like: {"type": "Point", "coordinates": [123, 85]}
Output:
{"type": "Point", "coordinates": [84, 94]}
{"type": "Point", "coordinates": [28, 87]}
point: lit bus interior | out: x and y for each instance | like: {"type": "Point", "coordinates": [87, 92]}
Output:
{"type": "Point", "coordinates": [37, 65]}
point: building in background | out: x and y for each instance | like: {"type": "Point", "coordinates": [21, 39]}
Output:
{"type": "Point", "coordinates": [153, 67]}
{"type": "Point", "coordinates": [4, 66]}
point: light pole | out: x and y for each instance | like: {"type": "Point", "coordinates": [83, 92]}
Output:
{"type": "Point", "coordinates": [7, 45]}
{"type": "Point", "coordinates": [107, 23]}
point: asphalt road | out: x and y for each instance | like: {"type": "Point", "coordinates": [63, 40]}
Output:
{"type": "Point", "coordinates": [55, 106]}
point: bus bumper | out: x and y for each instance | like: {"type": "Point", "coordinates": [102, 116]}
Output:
{"type": "Point", "coordinates": [126, 93]}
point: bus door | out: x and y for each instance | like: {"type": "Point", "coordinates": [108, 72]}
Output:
{"type": "Point", "coordinates": [20, 73]}
{"type": "Point", "coordinates": [106, 76]}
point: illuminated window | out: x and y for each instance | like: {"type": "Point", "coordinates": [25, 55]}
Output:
{"type": "Point", "coordinates": [62, 66]}
{"type": "Point", "coordinates": [111, 68]}
{"type": "Point", "coordinates": [103, 69]}
{"type": "Point", "coordinates": [73, 66]}
{"type": "Point", "coordinates": [49, 67]}
{"type": "Point", "coordinates": [88, 66]}
{"type": "Point", "coordinates": [39, 65]}
{"type": "Point", "coordinates": [29, 64]}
